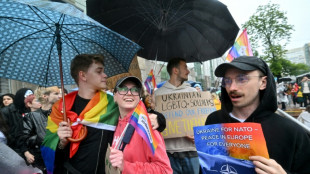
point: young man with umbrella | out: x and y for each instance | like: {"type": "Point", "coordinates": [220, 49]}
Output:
{"type": "Point", "coordinates": [249, 95]}
{"type": "Point", "coordinates": [89, 106]}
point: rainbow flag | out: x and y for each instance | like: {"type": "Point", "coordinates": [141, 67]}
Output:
{"type": "Point", "coordinates": [241, 47]}
{"type": "Point", "coordinates": [101, 112]}
{"type": "Point", "coordinates": [150, 82]}
{"type": "Point", "coordinates": [142, 124]}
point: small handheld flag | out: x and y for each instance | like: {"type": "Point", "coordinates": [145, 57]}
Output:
{"type": "Point", "coordinates": [142, 124]}
{"type": "Point", "coordinates": [241, 47]}
{"type": "Point", "coordinates": [150, 82]}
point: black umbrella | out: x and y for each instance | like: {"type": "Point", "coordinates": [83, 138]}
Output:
{"type": "Point", "coordinates": [197, 30]}
{"type": "Point", "coordinates": [285, 79]}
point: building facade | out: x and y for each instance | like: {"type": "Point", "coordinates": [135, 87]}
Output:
{"type": "Point", "coordinates": [299, 55]}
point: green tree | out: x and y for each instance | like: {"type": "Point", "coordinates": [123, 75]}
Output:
{"type": "Point", "coordinates": [268, 29]}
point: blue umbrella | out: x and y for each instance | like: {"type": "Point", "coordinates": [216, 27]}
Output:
{"type": "Point", "coordinates": [39, 39]}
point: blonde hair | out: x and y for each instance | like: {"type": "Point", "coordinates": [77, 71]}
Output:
{"type": "Point", "coordinates": [41, 91]}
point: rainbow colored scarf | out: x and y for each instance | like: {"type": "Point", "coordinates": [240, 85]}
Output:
{"type": "Point", "coordinates": [101, 112]}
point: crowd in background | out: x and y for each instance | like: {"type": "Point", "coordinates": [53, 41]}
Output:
{"type": "Point", "coordinates": [293, 95]}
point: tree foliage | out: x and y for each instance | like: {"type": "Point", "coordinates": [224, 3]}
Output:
{"type": "Point", "coordinates": [268, 29]}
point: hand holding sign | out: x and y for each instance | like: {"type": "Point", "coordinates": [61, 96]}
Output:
{"type": "Point", "coordinates": [264, 165]}
{"type": "Point", "coordinates": [109, 169]}
{"type": "Point", "coordinates": [229, 146]}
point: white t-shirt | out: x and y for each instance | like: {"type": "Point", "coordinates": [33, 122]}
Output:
{"type": "Point", "coordinates": [2, 138]}
{"type": "Point", "coordinates": [304, 117]}
{"type": "Point", "coordinates": [241, 120]}
{"type": "Point", "coordinates": [306, 88]}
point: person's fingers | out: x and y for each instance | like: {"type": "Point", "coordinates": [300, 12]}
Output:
{"type": "Point", "coordinates": [30, 158]}
{"type": "Point", "coordinates": [259, 171]}
{"type": "Point", "coordinates": [64, 131]}
{"type": "Point", "coordinates": [264, 165]}
{"type": "Point", "coordinates": [153, 119]}
{"type": "Point", "coordinates": [116, 158]}
{"type": "Point", "coordinates": [191, 138]}
{"type": "Point", "coordinates": [258, 158]}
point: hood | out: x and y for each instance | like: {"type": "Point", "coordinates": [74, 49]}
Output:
{"type": "Point", "coordinates": [169, 86]}
{"type": "Point", "coordinates": [268, 97]}
{"type": "Point", "coordinates": [20, 96]}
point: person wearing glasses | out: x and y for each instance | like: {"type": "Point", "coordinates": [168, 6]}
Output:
{"type": "Point", "coordinates": [88, 107]}
{"type": "Point", "coordinates": [136, 156]}
{"type": "Point", "coordinates": [249, 95]}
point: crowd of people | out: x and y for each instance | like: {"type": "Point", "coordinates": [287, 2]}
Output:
{"type": "Point", "coordinates": [32, 125]}
{"type": "Point", "coordinates": [294, 95]}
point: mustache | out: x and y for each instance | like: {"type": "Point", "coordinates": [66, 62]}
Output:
{"type": "Point", "coordinates": [234, 93]}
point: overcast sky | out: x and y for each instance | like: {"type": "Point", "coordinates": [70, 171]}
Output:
{"type": "Point", "coordinates": [298, 14]}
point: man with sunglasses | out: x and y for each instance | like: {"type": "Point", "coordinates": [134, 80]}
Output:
{"type": "Point", "coordinates": [249, 95]}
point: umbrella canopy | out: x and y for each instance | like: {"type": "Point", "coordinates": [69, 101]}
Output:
{"type": "Point", "coordinates": [197, 30]}
{"type": "Point", "coordinates": [40, 36]}
{"type": "Point", "coordinates": [285, 79]}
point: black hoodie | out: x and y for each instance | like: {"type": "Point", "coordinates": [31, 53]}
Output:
{"type": "Point", "coordinates": [287, 142]}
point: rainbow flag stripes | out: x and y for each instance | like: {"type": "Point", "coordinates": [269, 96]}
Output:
{"type": "Point", "coordinates": [241, 47]}
{"type": "Point", "coordinates": [142, 124]}
{"type": "Point", "coordinates": [101, 112]}
{"type": "Point", "coordinates": [150, 82]}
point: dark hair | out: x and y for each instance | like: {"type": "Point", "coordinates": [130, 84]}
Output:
{"type": "Point", "coordinates": [174, 63]}
{"type": "Point", "coordinates": [82, 62]}
{"type": "Point", "coordinates": [7, 94]}
{"type": "Point", "coordinates": [65, 91]}
{"type": "Point", "coordinates": [19, 100]}
{"type": "Point", "coordinates": [144, 97]}
{"type": "Point", "coordinates": [4, 127]}
{"type": "Point", "coordinates": [308, 108]}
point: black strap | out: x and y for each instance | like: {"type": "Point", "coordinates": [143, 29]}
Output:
{"type": "Point", "coordinates": [127, 137]}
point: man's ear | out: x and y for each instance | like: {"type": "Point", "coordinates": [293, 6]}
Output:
{"type": "Point", "coordinates": [264, 83]}
{"type": "Point", "coordinates": [82, 76]}
{"type": "Point", "coordinates": [175, 70]}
